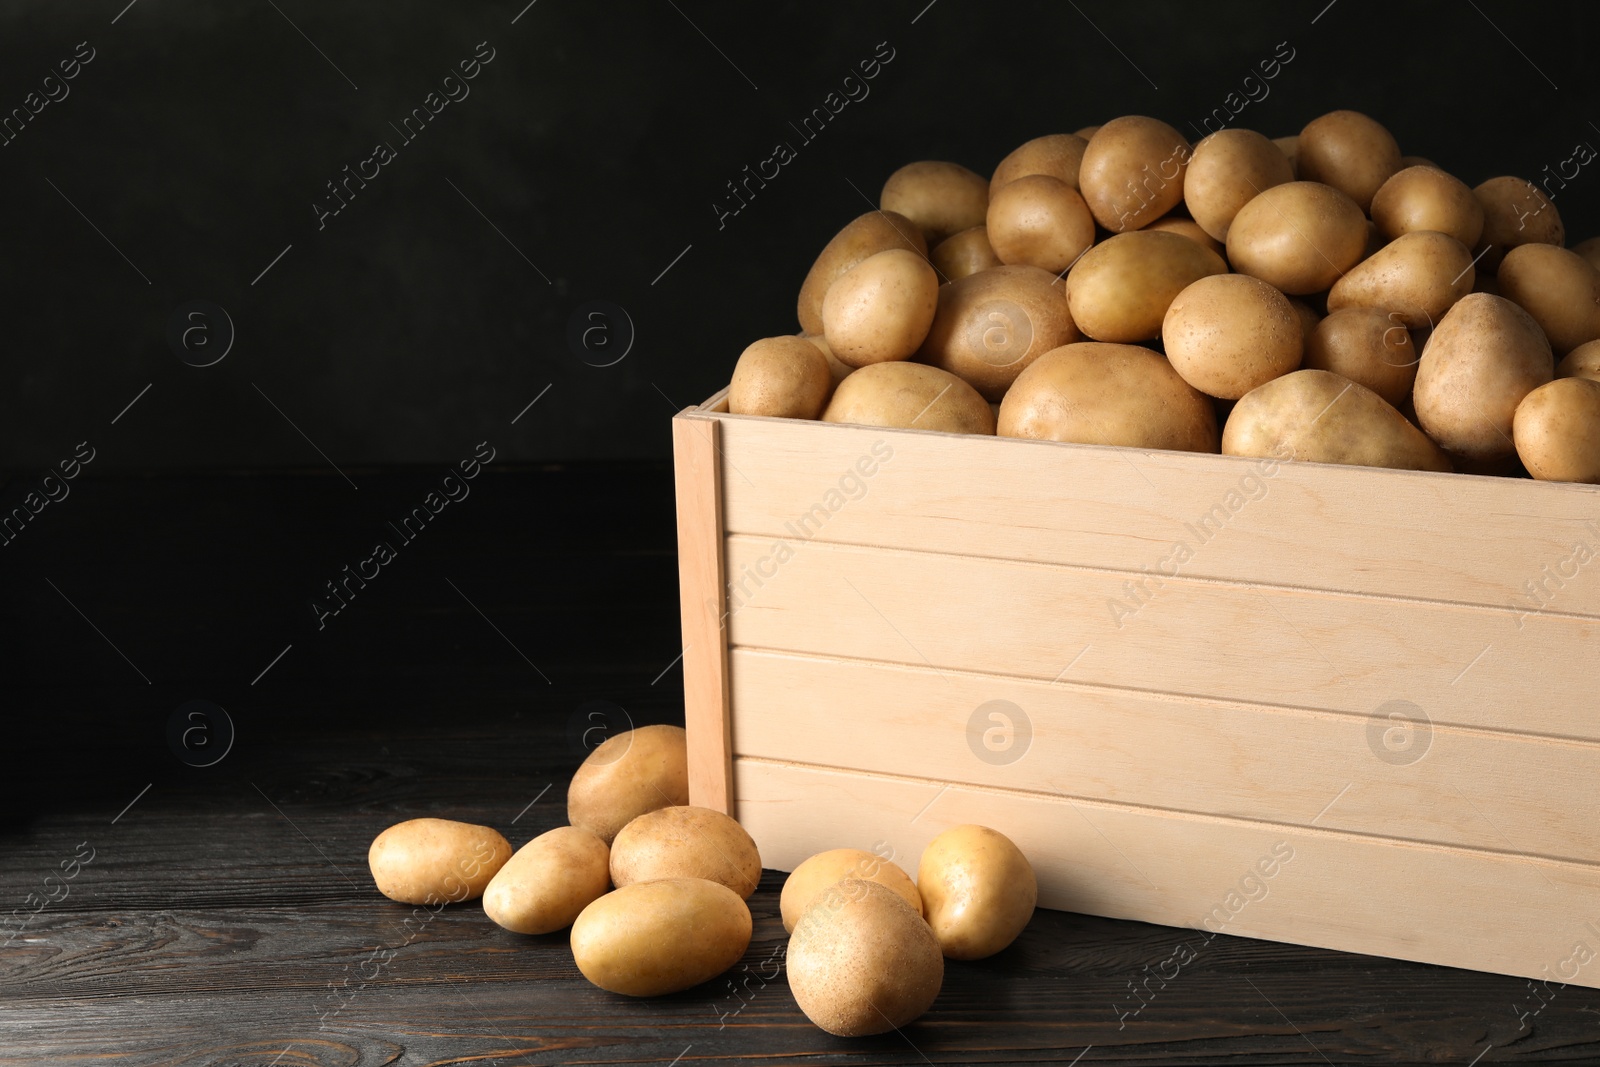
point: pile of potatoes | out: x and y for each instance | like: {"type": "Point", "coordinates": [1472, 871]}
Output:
{"type": "Point", "coordinates": [867, 946]}
{"type": "Point", "coordinates": [1318, 297]}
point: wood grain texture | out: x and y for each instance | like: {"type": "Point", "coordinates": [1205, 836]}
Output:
{"type": "Point", "coordinates": [1456, 787]}
{"type": "Point", "coordinates": [1433, 905]}
{"type": "Point", "coordinates": [701, 601]}
{"type": "Point", "coordinates": [1457, 538]}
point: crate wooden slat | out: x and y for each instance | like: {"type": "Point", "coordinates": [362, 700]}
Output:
{"type": "Point", "coordinates": [872, 589]}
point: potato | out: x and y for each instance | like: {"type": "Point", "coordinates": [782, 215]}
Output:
{"type": "Point", "coordinates": [652, 938]}
{"type": "Point", "coordinates": [1290, 146]}
{"type": "Point", "coordinates": [686, 842]}
{"type": "Point", "coordinates": [1105, 394]}
{"type": "Point", "coordinates": [1418, 276]}
{"type": "Point", "coordinates": [1418, 161]}
{"type": "Point", "coordinates": [1308, 316]}
{"type": "Point", "coordinates": [1426, 198]}
{"type": "Point", "coordinates": [549, 881]}
{"type": "Point", "coordinates": [1589, 250]}
{"type": "Point", "coordinates": [909, 396]}
{"type": "Point", "coordinates": [1188, 228]}
{"type": "Point", "coordinates": [1120, 290]}
{"type": "Point", "coordinates": [1369, 346]}
{"type": "Point", "coordinates": [866, 235]}
{"type": "Point", "coordinates": [941, 198]}
{"type": "Point", "coordinates": [992, 324]}
{"type": "Point", "coordinates": [430, 861]}
{"type": "Point", "coordinates": [627, 775]}
{"type": "Point", "coordinates": [1039, 221]}
{"type": "Point", "coordinates": [1300, 237]}
{"type": "Point", "coordinates": [1228, 333]}
{"type": "Point", "coordinates": [1086, 133]}
{"type": "Point", "coordinates": [1228, 169]}
{"type": "Point", "coordinates": [1316, 416]}
{"type": "Point", "coordinates": [880, 309]}
{"type": "Point", "coordinates": [978, 889]}
{"type": "Point", "coordinates": [1132, 172]}
{"type": "Point", "coordinates": [1055, 154]}
{"type": "Point", "coordinates": [1557, 431]}
{"type": "Point", "coordinates": [784, 377]}
{"type": "Point", "coordinates": [1559, 288]}
{"type": "Point", "coordinates": [837, 369]}
{"type": "Point", "coordinates": [822, 873]}
{"type": "Point", "coordinates": [1485, 355]}
{"type": "Point", "coordinates": [1349, 151]}
{"type": "Point", "coordinates": [863, 962]}
{"type": "Point", "coordinates": [964, 253]}
{"type": "Point", "coordinates": [1515, 212]}
{"type": "Point", "coordinates": [1581, 362]}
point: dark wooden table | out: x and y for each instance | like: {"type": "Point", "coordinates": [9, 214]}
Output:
{"type": "Point", "coordinates": [223, 915]}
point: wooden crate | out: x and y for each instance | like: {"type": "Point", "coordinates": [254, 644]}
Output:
{"type": "Point", "coordinates": [1356, 710]}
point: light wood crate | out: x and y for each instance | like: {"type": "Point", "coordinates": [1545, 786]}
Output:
{"type": "Point", "coordinates": [1220, 753]}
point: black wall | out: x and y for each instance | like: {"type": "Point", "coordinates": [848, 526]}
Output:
{"type": "Point", "coordinates": [596, 142]}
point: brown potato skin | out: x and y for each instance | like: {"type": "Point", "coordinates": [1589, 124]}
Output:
{"type": "Point", "coordinates": [1559, 288]}
{"type": "Point", "coordinates": [784, 377]}
{"type": "Point", "coordinates": [686, 842]}
{"type": "Point", "coordinates": [1228, 333]}
{"type": "Point", "coordinates": [1308, 316]}
{"type": "Point", "coordinates": [1108, 394]}
{"type": "Point", "coordinates": [1120, 289]}
{"type": "Point", "coordinates": [1426, 198]}
{"type": "Point", "coordinates": [964, 253]}
{"type": "Point", "coordinates": [1581, 362]}
{"type": "Point", "coordinates": [1230, 168]}
{"type": "Point", "coordinates": [1290, 146]}
{"type": "Point", "coordinates": [863, 236]}
{"type": "Point", "coordinates": [430, 861]}
{"type": "Point", "coordinates": [910, 396]}
{"type": "Point", "coordinates": [1349, 151]}
{"type": "Point", "coordinates": [1056, 154]}
{"type": "Point", "coordinates": [1418, 276]}
{"type": "Point", "coordinates": [1189, 228]}
{"type": "Point", "coordinates": [627, 775]}
{"type": "Point", "coordinates": [1132, 172]}
{"type": "Point", "coordinates": [654, 938]}
{"type": "Point", "coordinates": [821, 874]}
{"type": "Point", "coordinates": [1557, 430]}
{"type": "Point", "coordinates": [865, 964]}
{"type": "Point", "coordinates": [941, 198]}
{"type": "Point", "coordinates": [979, 891]}
{"type": "Point", "coordinates": [1369, 346]}
{"type": "Point", "coordinates": [1485, 355]}
{"type": "Point", "coordinates": [1299, 236]}
{"type": "Point", "coordinates": [880, 309]}
{"type": "Point", "coordinates": [1316, 416]}
{"type": "Point", "coordinates": [1039, 221]}
{"type": "Point", "coordinates": [548, 882]}
{"type": "Point", "coordinates": [991, 325]}
{"type": "Point", "coordinates": [1086, 132]}
{"type": "Point", "coordinates": [838, 370]}
{"type": "Point", "coordinates": [1515, 212]}
{"type": "Point", "coordinates": [1589, 250]}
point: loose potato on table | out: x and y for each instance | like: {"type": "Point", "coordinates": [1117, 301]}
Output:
{"type": "Point", "coordinates": [1559, 288]}
{"type": "Point", "coordinates": [1315, 416]}
{"type": "Point", "coordinates": [1299, 236]}
{"type": "Point", "coordinates": [1515, 212]}
{"type": "Point", "coordinates": [1107, 394]}
{"type": "Point", "coordinates": [1132, 172]}
{"type": "Point", "coordinates": [978, 890]}
{"type": "Point", "coordinates": [431, 861]}
{"type": "Point", "coordinates": [1369, 346]}
{"type": "Point", "coordinates": [660, 937]}
{"type": "Point", "coordinates": [1349, 151]}
{"type": "Point", "coordinates": [552, 878]}
{"type": "Point", "coordinates": [1418, 276]}
{"type": "Point", "coordinates": [866, 235]}
{"type": "Point", "coordinates": [1228, 333]}
{"type": "Point", "coordinates": [991, 325]}
{"type": "Point", "coordinates": [1120, 290]}
{"type": "Point", "coordinates": [940, 198]}
{"type": "Point", "coordinates": [864, 964]}
{"type": "Point", "coordinates": [1426, 198]}
{"type": "Point", "coordinates": [1230, 168]}
{"type": "Point", "coordinates": [1055, 154]}
{"type": "Point", "coordinates": [880, 309]}
{"type": "Point", "coordinates": [1557, 431]}
{"type": "Point", "coordinates": [909, 396]}
{"type": "Point", "coordinates": [1039, 221]}
{"type": "Point", "coordinates": [686, 842]}
{"type": "Point", "coordinates": [964, 253]}
{"type": "Point", "coordinates": [627, 775]}
{"type": "Point", "coordinates": [784, 377]}
{"type": "Point", "coordinates": [820, 876]}
{"type": "Point", "coordinates": [1485, 355]}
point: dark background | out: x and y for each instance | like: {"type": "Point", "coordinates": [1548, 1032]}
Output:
{"type": "Point", "coordinates": [596, 142]}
